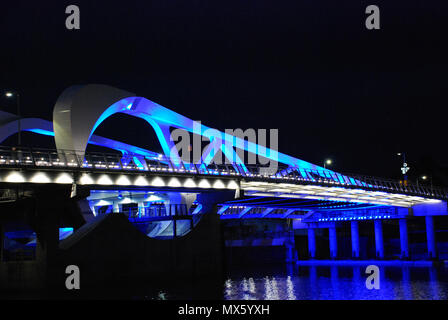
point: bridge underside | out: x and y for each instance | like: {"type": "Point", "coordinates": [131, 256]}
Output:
{"type": "Point", "coordinates": [331, 193]}
{"type": "Point", "coordinates": [306, 210]}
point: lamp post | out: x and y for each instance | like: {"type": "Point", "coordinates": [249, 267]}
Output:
{"type": "Point", "coordinates": [327, 162]}
{"type": "Point", "coordinates": [11, 94]}
{"type": "Point", "coordinates": [405, 167]}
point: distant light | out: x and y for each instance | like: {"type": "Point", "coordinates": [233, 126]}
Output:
{"type": "Point", "coordinates": [9, 94]}
{"type": "Point", "coordinates": [424, 177]}
{"type": "Point", "coordinates": [328, 161]}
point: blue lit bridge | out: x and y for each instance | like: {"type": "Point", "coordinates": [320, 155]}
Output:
{"type": "Point", "coordinates": [165, 196]}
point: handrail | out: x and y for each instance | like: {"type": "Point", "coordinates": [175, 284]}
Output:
{"type": "Point", "coordinates": [69, 159]}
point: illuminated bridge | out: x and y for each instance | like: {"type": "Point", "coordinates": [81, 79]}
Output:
{"type": "Point", "coordinates": [165, 195]}
{"type": "Point", "coordinates": [295, 189]}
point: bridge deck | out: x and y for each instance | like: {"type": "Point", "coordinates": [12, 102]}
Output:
{"type": "Point", "coordinates": [255, 178]}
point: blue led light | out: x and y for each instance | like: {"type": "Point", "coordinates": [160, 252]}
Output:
{"type": "Point", "coordinates": [41, 131]}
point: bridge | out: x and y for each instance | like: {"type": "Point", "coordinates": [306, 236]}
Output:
{"type": "Point", "coordinates": [160, 193]}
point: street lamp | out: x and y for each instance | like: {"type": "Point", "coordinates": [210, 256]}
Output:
{"type": "Point", "coordinates": [425, 177]}
{"type": "Point", "coordinates": [11, 94]}
{"type": "Point", "coordinates": [327, 162]}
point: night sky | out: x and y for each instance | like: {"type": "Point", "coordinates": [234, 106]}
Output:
{"type": "Point", "coordinates": [309, 68]}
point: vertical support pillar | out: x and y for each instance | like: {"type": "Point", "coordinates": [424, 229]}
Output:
{"type": "Point", "coordinates": [354, 226]}
{"type": "Point", "coordinates": [379, 245]}
{"type": "Point", "coordinates": [141, 208]}
{"type": "Point", "coordinates": [174, 227]}
{"type": "Point", "coordinates": [311, 242]}
{"type": "Point", "coordinates": [289, 253]}
{"type": "Point", "coordinates": [333, 237]}
{"type": "Point", "coordinates": [47, 241]}
{"type": "Point", "coordinates": [430, 237]}
{"type": "Point", "coordinates": [404, 243]}
{"type": "Point", "coordinates": [290, 244]}
{"type": "Point", "coordinates": [116, 207]}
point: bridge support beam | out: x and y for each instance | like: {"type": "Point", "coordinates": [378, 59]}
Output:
{"type": "Point", "coordinates": [311, 242]}
{"type": "Point", "coordinates": [404, 243]}
{"type": "Point", "coordinates": [379, 244]}
{"type": "Point", "coordinates": [431, 237]}
{"type": "Point", "coordinates": [333, 238]}
{"type": "Point", "coordinates": [354, 226]}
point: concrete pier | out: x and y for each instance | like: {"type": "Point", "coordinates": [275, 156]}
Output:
{"type": "Point", "coordinates": [354, 226]}
{"type": "Point", "coordinates": [311, 243]}
{"type": "Point", "coordinates": [404, 243]}
{"type": "Point", "coordinates": [430, 237]}
{"type": "Point", "coordinates": [332, 235]}
{"type": "Point", "coordinates": [379, 244]}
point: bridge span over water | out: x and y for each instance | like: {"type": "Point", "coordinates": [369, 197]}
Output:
{"type": "Point", "coordinates": [159, 193]}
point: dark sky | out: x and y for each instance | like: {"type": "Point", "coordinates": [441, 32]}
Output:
{"type": "Point", "coordinates": [309, 68]}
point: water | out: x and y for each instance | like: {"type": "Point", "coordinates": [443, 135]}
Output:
{"type": "Point", "coordinates": [283, 282]}
{"type": "Point", "coordinates": [336, 282]}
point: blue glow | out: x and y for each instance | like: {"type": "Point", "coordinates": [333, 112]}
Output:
{"type": "Point", "coordinates": [162, 119]}
{"type": "Point", "coordinates": [41, 131]}
{"type": "Point", "coordinates": [138, 163]}
{"type": "Point", "coordinates": [65, 232]}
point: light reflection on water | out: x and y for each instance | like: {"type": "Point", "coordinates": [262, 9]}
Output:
{"type": "Point", "coordinates": [335, 282]}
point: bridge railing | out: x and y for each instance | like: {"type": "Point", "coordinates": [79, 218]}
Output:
{"type": "Point", "coordinates": [67, 159]}
{"type": "Point", "coordinates": [158, 211]}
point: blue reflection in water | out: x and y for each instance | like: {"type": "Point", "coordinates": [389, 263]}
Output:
{"type": "Point", "coordinates": [336, 282]}
{"type": "Point", "coordinates": [406, 284]}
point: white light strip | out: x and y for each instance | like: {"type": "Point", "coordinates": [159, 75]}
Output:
{"type": "Point", "coordinates": [332, 193]}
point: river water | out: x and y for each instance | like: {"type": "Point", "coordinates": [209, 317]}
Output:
{"type": "Point", "coordinates": [284, 282]}
{"type": "Point", "coordinates": [335, 282]}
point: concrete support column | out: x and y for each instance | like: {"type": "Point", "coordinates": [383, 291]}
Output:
{"type": "Point", "coordinates": [47, 242]}
{"type": "Point", "coordinates": [311, 242]}
{"type": "Point", "coordinates": [355, 238]}
{"type": "Point", "coordinates": [116, 207]}
{"type": "Point", "coordinates": [174, 228]}
{"type": "Point", "coordinates": [379, 245]}
{"type": "Point", "coordinates": [404, 244]}
{"type": "Point", "coordinates": [431, 237]}
{"type": "Point", "coordinates": [333, 241]}
{"type": "Point", "coordinates": [291, 252]}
